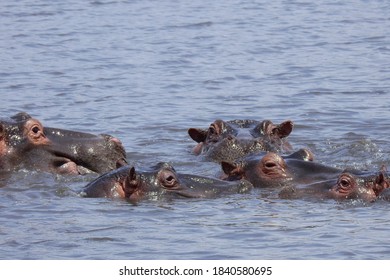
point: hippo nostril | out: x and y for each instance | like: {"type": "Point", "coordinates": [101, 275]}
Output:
{"type": "Point", "coordinates": [270, 164]}
{"type": "Point", "coordinates": [230, 137]}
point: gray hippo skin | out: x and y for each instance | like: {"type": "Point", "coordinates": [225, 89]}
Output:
{"type": "Point", "coordinates": [26, 144]}
{"type": "Point", "coordinates": [159, 181]}
{"type": "Point", "coordinates": [231, 140]}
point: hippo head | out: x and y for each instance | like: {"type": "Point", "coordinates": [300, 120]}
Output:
{"type": "Point", "coordinates": [217, 131]}
{"type": "Point", "coordinates": [159, 181]}
{"type": "Point", "coordinates": [26, 143]}
{"type": "Point", "coordinates": [365, 187]}
{"type": "Point", "coordinates": [270, 169]}
{"type": "Point", "coordinates": [235, 139]}
{"type": "Point", "coordinates": [126, 182]}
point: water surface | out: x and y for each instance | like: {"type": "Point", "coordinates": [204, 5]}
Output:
{"type": "Point", "coordinates": [146, 71]}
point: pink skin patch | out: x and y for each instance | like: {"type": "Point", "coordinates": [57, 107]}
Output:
{"type": "Point", "coordinates": [198, 149]}
{"type": "Point", "coordinates": [116, 140]}
{"type": "Point", "coordinates": [68, 168]}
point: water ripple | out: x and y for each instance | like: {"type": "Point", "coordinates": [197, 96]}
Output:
{"type": "Point", "coordinates": [146, 73]}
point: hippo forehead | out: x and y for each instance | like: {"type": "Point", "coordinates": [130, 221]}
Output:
{"type": "Point", "coordinates": [243, 123]}
{"type": "Point", "coordinates": [162, 165]}
{"type": "Point", "coordinates": [150, 175]}
{"type": "Point", "coordinates": [249, 128]}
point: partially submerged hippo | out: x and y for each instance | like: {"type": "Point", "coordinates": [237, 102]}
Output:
{"type": "Point", "coordinates": [366, 187]}
{"type": "Point", "coordinates": [299, 176]}
{"type": "Point", "coordinates": [26, 144]}
{"type": "Point", "coordinates": [159, 181]}
{"type": "Point", "coordinates": [271, 169]}
{"type": "Point", "coordinates": [230, 140]}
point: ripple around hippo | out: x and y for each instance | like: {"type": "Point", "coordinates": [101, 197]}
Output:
{"type": "Point", "coordinates": [245, 148]}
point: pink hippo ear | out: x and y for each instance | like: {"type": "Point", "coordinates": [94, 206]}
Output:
{"type": "Point", "coordinates": [233, 171]}
{"type": "Point", "coordinates": [197, 134]}
{"type": "Point", "coordinates": [284, 129]}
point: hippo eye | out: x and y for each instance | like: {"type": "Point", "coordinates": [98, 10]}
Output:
{"type": "Point", "coordinates": [344, 183]}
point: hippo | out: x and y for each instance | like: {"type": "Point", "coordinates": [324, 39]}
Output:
{"type": "Point", "coordinates": [159, 181]}
{"type": "Point", "coordinates": [271, 169]}
{"type": "Point", "coordinates": [366, 187]}
{"type": "Point", "coordinates": [231, 140]}
{"type": "Point", "coordinates": [26, 144]}
{"type": "Point", "coordinates": [348, 185]}
{"type": "Point", "coordinates": [299, 176]}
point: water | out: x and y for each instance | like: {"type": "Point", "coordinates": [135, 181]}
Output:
{"type": "Point", "coordinates": [146, 71]}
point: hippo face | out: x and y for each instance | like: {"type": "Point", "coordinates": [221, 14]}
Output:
{"type": "Point", "coordinates": [365, 187]}
{"type": "Point", "coordinates": [268, 169]}
{"type": "Point", "coordinates": [160, 181]}
{"type": "Point", "coordinates": [26, 144]}
{"type": "Point", "coordinates": [125, 182]}
{"type": "Point", "coordinates": [232, 148]}
{"type": "Point", "coordinates": [238, 138]}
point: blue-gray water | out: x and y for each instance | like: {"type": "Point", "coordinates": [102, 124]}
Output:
{"type": "Point", "coordinates": [146, 71]}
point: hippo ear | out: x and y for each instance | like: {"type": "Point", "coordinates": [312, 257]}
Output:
{"type": "Point", "coordinates": [284, 129]}
{"type": "Point", "coordinates": [22, 116]}
{"type": "Point", "coordinates": [2, 130]}
{"type": "Point", "coordinates": [380, 183]}
{"type": "Point", "coordinates": [197, 134]}
{"type": "Point", "coordinates": [232, 170]}
{"type": "Point", "coordinates": [266, 127]}
{"type": "Point", "coordinates": [132, 174]}
{"type": "Point", "coordinates": [131, 182]}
